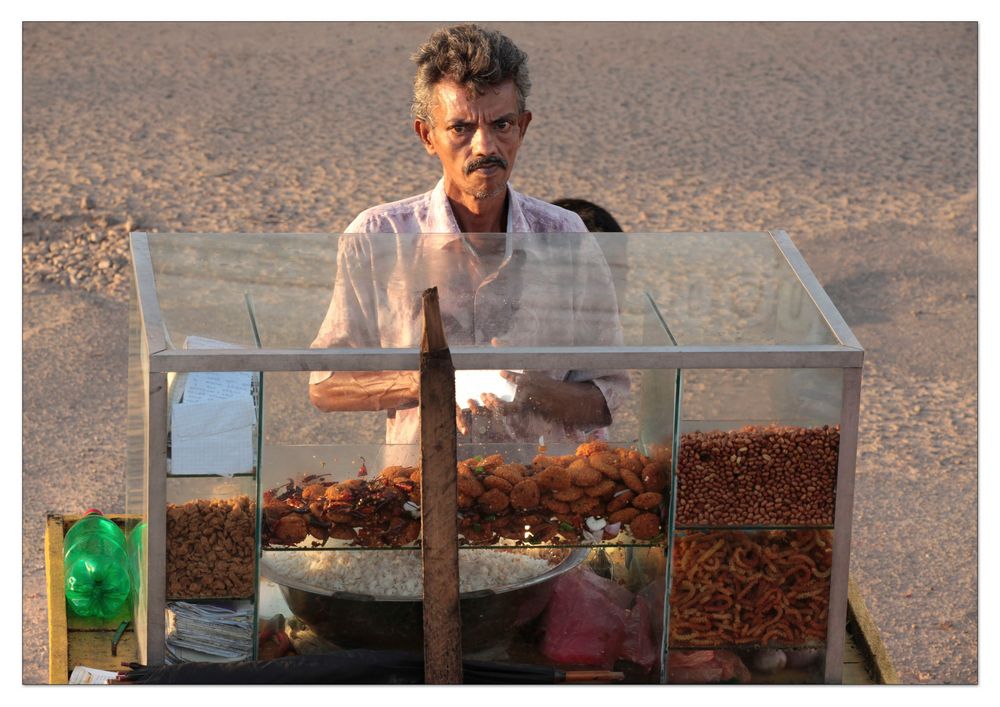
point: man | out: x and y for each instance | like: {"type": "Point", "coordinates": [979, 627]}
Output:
{"type": "Point", "coordinates": [469, 112]}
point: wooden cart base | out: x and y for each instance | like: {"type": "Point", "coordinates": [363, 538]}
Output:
{"type": "Point", "coordinates": [76, 641]}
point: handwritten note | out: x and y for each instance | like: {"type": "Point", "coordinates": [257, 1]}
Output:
{"type": "Point", "coordinates": [204, 387]}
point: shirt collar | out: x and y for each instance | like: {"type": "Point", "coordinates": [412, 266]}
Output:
{"type": "Point", "coordinates": [441, 219]}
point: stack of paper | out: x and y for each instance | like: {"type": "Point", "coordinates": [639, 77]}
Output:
{"type": "Point", "coordinates": [82, 675]}
{"type": "Point", "coordinates": [213, 418]}
{"type": "Point", "coordinates": [207, 632]}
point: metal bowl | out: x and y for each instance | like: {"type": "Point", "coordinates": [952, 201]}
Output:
{"type": "Point", "coordinates": [489, 616]}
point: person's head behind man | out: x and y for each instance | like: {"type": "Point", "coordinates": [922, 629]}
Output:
{"type": "Point", "coordinates": [469, 110]}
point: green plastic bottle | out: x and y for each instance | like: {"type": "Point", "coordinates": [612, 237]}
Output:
{"type": "Point", "coordinates": [96, 567]}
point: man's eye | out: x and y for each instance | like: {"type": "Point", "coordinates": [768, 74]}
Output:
{"type": "Point", "coordinates": [503, 124]}
{"type": "Point", "coordinates": [458, 129]}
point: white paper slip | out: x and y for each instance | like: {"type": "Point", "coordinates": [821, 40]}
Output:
{"type": "Point", "coordinates": [83, 675]}
{"type": "Point", "coordinates": [212, 417]}
{"type": "Point", "coordinates": [202, 387]}
{"type": "Point", "coordinates": [224, 454]}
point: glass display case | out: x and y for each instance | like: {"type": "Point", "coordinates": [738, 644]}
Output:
{"type": "Point", "coordinates": [659, 484]}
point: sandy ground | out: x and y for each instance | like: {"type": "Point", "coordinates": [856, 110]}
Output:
{"type": "Point", "coordinates": [860, 140]}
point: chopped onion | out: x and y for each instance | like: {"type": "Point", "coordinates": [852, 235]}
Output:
{"type": "Point", "coordinates": [596, 524]}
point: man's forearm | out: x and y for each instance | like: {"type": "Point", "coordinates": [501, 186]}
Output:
{"type": "Point", "coordinates": [360, 391]}
{"type": "Point", "coordinates": [574, 404]}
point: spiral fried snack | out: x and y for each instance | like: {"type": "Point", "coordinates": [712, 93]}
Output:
{"type": "Point", "coordinates": [766, 588]}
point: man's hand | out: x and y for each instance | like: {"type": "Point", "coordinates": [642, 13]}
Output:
{"type": "Point", "coordinates": [573, 404]}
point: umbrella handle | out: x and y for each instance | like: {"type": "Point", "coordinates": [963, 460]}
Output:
{"type": "Point", "coordinates": [578, 676]}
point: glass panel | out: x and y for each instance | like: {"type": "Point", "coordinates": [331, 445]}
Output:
{"type": "Point", "coordinates": [727, 289]}
{"type": "Point", "coordinates": [520, 289]}
{"type": "Point", "coordinates": [211, 525]}
{"type": "Point", "coordinates": [563, 610]}
{"type": "Point", "coordinates": [213, 423]}
{"type": "Point", "coordinates": [758, 600]}
{"type": "Point", "coordinates": [758, 448]}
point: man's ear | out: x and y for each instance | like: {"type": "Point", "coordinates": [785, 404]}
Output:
{"type": "Point", "coordinates": [423, 131]}
{"type": "Point", "coordinates": [522, 122]}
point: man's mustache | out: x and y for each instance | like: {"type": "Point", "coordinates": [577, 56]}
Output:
{"type": "Point", "coordinates": [484, 162]}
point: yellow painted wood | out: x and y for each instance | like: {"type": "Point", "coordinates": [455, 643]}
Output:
{"type": "Point", "coordinates": [76, 640]}
{"type": "Point", "coordinates": [93, 649]}
{"type": "Point", "coordinates": [54, 582]}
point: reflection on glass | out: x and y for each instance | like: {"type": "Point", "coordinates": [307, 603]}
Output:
{"type": "Point", "coordinates": [544, 290]}
{"type": "Point", "coordinates": [569, 609]}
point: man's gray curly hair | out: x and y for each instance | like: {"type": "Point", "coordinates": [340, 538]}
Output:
{"type": "Point", "coordinates": [472, 56]}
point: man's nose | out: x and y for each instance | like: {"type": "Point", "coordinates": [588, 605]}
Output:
{"type": "Point", "coordinates": [483, 142]}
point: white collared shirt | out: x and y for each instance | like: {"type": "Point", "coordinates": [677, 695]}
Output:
{"type": "Point", "coordinates": [550, 289]}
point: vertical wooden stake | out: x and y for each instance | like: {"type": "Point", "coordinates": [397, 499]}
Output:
{"type": "Point", "coordinates": [439, 502]}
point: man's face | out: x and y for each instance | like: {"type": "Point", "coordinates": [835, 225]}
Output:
{"type": "Point", "coordinates": [476, 138]}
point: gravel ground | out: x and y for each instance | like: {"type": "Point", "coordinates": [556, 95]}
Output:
{"type": "Point", "coordinates": [860, 140]}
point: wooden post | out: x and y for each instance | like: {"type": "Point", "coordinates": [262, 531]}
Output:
{"type": "Point", "coordinates": [439, 502]}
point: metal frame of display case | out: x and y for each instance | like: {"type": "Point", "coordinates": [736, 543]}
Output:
{"type": "Point", "coordinates": [158, 360]}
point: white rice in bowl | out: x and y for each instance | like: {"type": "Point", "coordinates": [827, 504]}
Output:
{"type": "Point", "coordinates": [397, 573]}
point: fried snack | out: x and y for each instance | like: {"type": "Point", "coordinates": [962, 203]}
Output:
{"type": "Point", "coordinates": [291, 529]}
{"type": "Point", "coordinates": [629, 459]}
{"type": "Point", "coordinates": [645, 526]}
{"type": "Point", "coordinates": [556, 506]}
{"type": "Point", "coordinates": [345, 491]}
{"type": "Point", "coordinates": [392, 472]}
{"type": "Point", "coordinates": [588, 448]}
{"type": "Point", "coordinates": [492, 462]}
{"type": "Point", "coordinates": [525, 495]}
{"type": "Point", "coordinates": [495, 498]}
{"type": "Point", "coordinates": [556, 478]}
{"type": "Point", "coordinates": [647, 501]}
{"type": "Point", "coordinates": [495, 482]}
{"type": "Point", "coordinates": [543, 461]}
{"type": "Point", "coordinates": [339, 531]}
{"type": "Point", "coordinates": [633, 481]}
{"type": "Point", "coordinates": [758, 475]}
{"type": "Point", "coordinates": [604, 488]}
{"type": "Point", "coordinates": [569, 495]}
{"type": "Point", "coordinates": [767, 588]}
{"type": "Point", "coordinates": [313, 492]}
{"type": "Point", "coordinates": [620, 501]}
{"type": "Point", "coordinates": [587, 506]}
{"type": "Point", "coordinates": [513, 473]}
{"type": "Point", "coordinates": [625, 515]}
{"type": "Point", "coordinates": [606, 463]}
{"type": "Point", "coordinates": [584, 474]}
{"type": "Point", "coordinates": [470, 486]}
{"type": "Point", "coordinates": [493, 501]}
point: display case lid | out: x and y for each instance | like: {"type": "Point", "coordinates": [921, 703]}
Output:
{"type": "Point", "coordinates": [353, 296]}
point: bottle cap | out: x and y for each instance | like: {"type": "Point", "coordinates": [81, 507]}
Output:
{"type": "Point", "coordinates": [92, 510]}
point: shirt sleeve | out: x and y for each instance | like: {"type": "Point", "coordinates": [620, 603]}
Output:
{"type": "Point", "coordinates": [598, 322]}
{"type": "Point", "coordinates": [352, 317]}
